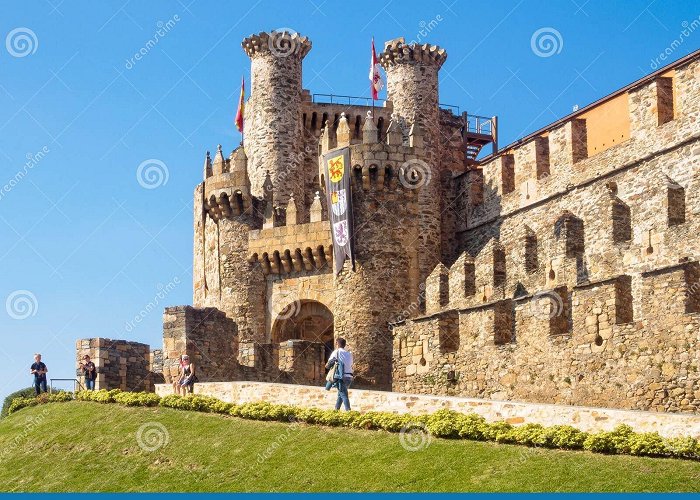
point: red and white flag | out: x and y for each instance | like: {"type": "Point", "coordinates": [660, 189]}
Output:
{"type": "Point", "coordinates": [375, 77]}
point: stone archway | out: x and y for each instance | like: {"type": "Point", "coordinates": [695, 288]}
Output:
{"type": "Point", "coordinates": [306, 320]}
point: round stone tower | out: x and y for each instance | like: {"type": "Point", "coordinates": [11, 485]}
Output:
{"type": "Point", "coordinates": [377, 293]}
{"type": "Point", "coordinates": [225, 212]}
{"type": "Point", "coordinates": [412, 88]}
{"type": "Point", "coordinates": [273, 129]}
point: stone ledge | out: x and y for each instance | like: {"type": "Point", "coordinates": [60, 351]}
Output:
{"type": "Point", "coordinates": [587, 419]}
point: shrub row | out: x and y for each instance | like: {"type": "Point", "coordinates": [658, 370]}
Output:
{"type": "Point", "coordinates": [443, 423]}
{"type": "Point", "coordinates": [24, 402]}
{"type": "Point", "coordinates": [22, 393]}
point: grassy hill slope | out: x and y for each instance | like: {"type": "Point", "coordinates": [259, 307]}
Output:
{"type": "Point", "coordinates": [81, 446]}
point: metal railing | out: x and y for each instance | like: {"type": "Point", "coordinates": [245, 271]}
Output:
{"type": "Point", "coordinates": [452, 107]}
{"type": "Point", "coordinates": [76, 383]}
{"type": "Point", "coordinates": [351, 100]}
{"type": "Point", "coordinates": [479, 124]}
{"type": "Point", "coordinates": [348, 100]}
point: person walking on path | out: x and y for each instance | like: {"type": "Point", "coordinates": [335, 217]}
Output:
{"type": "Point", "coordinates": [341, 362]}
{"type": "Point", "coordinates": [39, 370]}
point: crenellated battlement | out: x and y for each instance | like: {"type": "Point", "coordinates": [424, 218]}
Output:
{"type": "Point", "coordinates": [396, 51]}
{"type": "Point", "coordinates": [392, 164]}
{"type": "Point", "coordinates": [227, 187]}
{"type": "Point", "coordinates": [647, 117]}
{"type": "Point", "coordinates": [277, 43]}
{"type": "Point", "coordinates": [291, 248]}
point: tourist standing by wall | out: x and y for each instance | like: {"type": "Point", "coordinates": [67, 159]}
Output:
{"type": "Point", "coordinates": [89, 373]}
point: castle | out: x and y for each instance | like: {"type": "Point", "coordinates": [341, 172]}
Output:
{"type": "Point", "coordinates": [562, 268]}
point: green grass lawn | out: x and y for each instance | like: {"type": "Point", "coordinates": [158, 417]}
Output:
{"type": "Point", "coordinates": [81, 446]}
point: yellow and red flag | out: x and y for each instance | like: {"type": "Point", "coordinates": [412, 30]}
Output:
{"type": "Point", "coordinates": [241, 107]}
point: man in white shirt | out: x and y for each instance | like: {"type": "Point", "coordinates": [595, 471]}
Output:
{"type": "Point", "coordinates": [344, 379]}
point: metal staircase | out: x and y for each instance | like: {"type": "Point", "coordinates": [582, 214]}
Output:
{"type": "Point", "coordinates": [477, 132]}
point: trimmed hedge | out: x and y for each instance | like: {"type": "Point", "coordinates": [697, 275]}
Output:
{"type": "Point", "coordinates": [446, 424]}
{"type": "Point", "coordinates": [22, 393]}
{"type": "Point", "coordinates": [45, 397]}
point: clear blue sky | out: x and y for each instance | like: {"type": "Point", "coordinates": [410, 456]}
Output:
{"type": "Point", "coordinates": [93, 246]}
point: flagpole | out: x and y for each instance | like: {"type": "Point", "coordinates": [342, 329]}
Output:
{"type": "Point", "coordinates": [371, 94]}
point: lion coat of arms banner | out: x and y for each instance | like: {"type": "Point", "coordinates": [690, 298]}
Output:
{"type": "Point", "coordinates": [336, 166]}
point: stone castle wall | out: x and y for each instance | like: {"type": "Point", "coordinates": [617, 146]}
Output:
{"type": "Point", "coordinates": [562, 268]}
{"type": "Point", "coordinates": [584, 418]}
{"type": "Point", "coordinates": [212, 342]}
{"type": "Point", "coordinates": [576, 276]}
{"type": "Point", "coordinates": [120, 364]}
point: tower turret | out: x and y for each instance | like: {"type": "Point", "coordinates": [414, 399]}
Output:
{"type": "Point", "coordinates": [371, 298]}
{"type": "Point", "coordinates": [225, 212]}
{"type": "Point", "coordinates": [412, 88]}
{"type": "Point", "coordinates": [273, 128]}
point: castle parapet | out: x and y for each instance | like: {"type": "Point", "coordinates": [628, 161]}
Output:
{"type": "Point", "coordinates": [277, 43]}
{"type": "Point", "coordinates": [597, 140]}
{"type": "Point", "coordinates": [291, 248]}
{"type": "Point", "coordinates": [396, 51]}
{"type": "Point", "coordinates": [227, 188]}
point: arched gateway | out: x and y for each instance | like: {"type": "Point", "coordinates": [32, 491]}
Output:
{"type": "Point", "coordinates": [306, 320]}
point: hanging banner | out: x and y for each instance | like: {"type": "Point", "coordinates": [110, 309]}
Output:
{"type": "Point", "coordinates": [339, 197]}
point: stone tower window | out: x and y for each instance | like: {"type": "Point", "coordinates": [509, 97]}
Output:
{"type": "Point", "coordinates": [531, 260]}
{"type": "Point", "coordinates": [664, 98]}
{"type": "Point", "coordinates": [449, 333]}
{"type": "Point", "coordinates": [573, 232]}
{"type": "Point", "coordinates": [499, 267]}
{"type": "Point", "coordinates": [621, 222]}
{"type": "Point", "coordinates": [676, 204]}
{"type": "Point", "coordinates": [508, 174]}
{"type": "Point", "coordinates": [503, 323]}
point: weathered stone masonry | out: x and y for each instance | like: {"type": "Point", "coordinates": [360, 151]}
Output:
{"type": "Point", "coordinates": [577, 282]}
{"type": "Point", "coordinates": [562, 268]}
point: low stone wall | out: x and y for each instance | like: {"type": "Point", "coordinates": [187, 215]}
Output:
{"type": "Point", "coordinates": [120, 364]}
{"type": "Point", "coordinates": [583, 418]}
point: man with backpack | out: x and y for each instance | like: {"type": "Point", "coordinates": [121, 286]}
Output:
{"type": "Point", "coordinates": [340, 364]}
